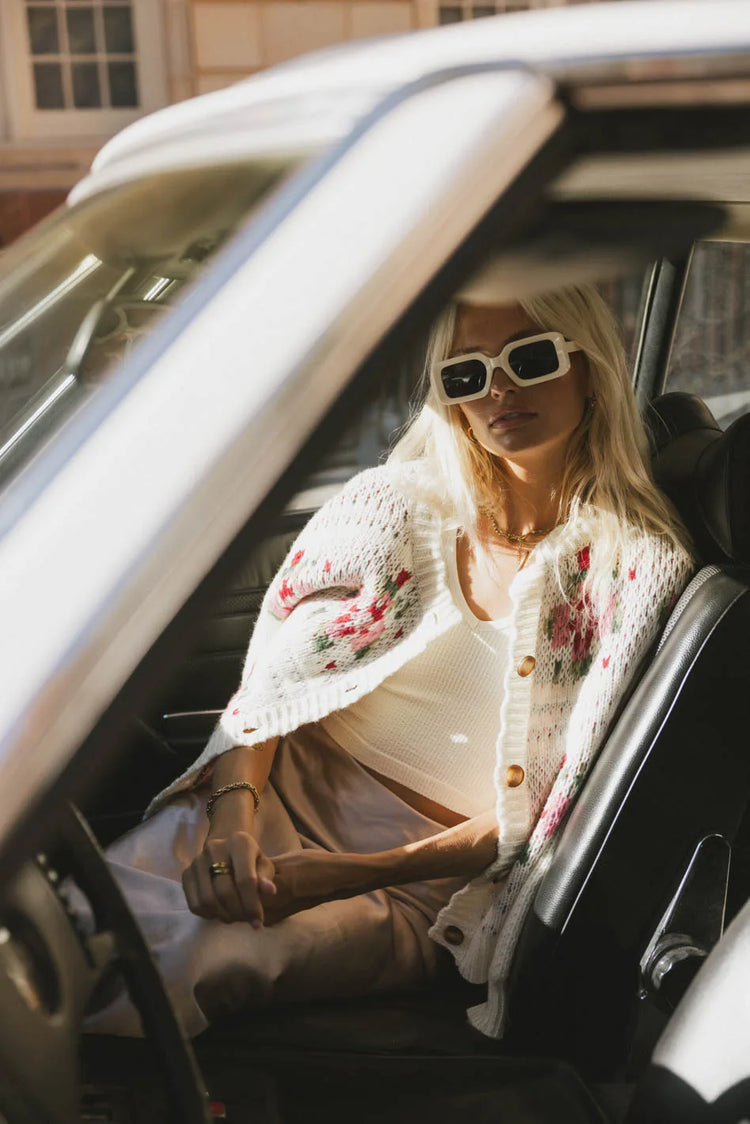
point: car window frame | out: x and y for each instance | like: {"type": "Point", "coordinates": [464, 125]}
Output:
{"type": "Point", "coordinates": [663, 290]}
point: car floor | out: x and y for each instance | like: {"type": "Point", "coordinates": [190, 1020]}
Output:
{"type": "Point", "coordinates": [294, 1086]}
{"type": "Point", "coordinates": [294, 1089]}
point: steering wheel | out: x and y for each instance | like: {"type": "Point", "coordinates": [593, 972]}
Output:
{"type": "Point", "coordinates": [106, 322]}
{"type": "Point", "coordinates": [49, 967]}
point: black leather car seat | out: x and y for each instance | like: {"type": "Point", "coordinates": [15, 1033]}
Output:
{"type": "Point", "coordinates": [674, 771]}
{"type": "Point", "coordinates": [706, 474]}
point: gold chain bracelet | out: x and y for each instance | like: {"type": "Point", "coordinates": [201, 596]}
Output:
{"type": "Point", "coordinates": [231, 788]}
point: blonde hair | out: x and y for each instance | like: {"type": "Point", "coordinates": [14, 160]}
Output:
{"type": "Point", "coordinates": [607, 475]}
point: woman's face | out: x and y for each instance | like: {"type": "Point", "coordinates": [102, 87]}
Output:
{"type": "Point", "coordinates": [523, 425]}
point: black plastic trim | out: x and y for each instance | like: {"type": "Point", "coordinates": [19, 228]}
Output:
{"type": "Point", "coordinates": [663, 300]}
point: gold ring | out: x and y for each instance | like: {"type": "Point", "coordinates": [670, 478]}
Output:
{"type": "Point", "coordinates": [222, 867]}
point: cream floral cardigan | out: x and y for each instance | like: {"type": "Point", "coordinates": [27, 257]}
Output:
{"type": "Point", "coordinates": [362, 591]}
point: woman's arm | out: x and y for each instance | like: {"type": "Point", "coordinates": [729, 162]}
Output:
{"type": "Point", "coordinates": [236, 810]}
{"type": "Point", "coordinates": [465, 849]}
{"type": "Point", "coordinates": [231, 838]}
{"type": "Point", "coordinates": [307, 878]}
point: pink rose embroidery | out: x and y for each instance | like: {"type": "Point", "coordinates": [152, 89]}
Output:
{"type": "Point", "coordinates": [553, 814]}
{"type": "Point", "coordinates": [368, 635]}
{"type": "Point", "coordinates": [582, 639]}
{"type": "Point", "coordinates": [339, 632]}
{"type": "Point", "coordinates": [361, 624]}
{"type": "Point", "coordinates": [608, 616]}
{"type": "Point", "coordinates": [560, 626]}
{"type": "Point", "coordinates": [378, 608]}
{"type": "Point", "coordinates": [297, 558]}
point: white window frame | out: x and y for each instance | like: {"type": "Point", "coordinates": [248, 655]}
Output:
{"type": "Point", "coordinates": [26, 122]}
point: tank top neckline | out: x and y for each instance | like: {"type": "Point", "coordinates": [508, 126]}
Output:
{"type": "Point", "coordinates": [450, 548]}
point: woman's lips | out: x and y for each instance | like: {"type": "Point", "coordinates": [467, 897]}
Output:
{"type": "Point", "coordinates": [511, 418]}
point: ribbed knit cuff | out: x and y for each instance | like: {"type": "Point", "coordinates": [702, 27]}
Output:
{"type": "Point", "coordinates": [489, 1017]}
{"type": "Point", "coordinates": [219, 742]}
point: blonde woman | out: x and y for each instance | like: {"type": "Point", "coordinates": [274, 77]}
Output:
{"type": "Point", "coordinates": [431, 674]}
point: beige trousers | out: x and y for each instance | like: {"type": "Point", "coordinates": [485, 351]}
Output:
{"type": "Point", "coordinates": [318, 797]}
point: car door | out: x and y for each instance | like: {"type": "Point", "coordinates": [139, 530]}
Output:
{"type": "Point", "coordinates": [116, 522]}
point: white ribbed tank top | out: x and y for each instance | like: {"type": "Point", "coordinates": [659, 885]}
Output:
{"type": "Point", "coordinates": [433, 724]}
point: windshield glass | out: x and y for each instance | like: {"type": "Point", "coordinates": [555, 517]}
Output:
{"type": "Point", "coordinates": [79, 291]}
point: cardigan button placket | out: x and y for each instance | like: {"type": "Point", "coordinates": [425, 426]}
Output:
{"type": "Point", "coordinates": [514, 776]}
{"type": "Point", "coordinates": [453, 935]}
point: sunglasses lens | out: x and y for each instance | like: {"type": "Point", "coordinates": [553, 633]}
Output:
{"type": "Point", "coordinates": [534, 360]}
{"type": "Point", "coordinates": [463, 378]}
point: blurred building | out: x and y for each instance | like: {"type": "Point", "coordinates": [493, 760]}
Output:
{"type": "Point", "coordinates": [73, 72]}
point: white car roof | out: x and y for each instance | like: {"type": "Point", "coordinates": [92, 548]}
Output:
{"type": "Point", "coordinates": [317, 98]}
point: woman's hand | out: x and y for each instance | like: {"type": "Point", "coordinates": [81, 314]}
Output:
{"type": "Point", "coordinates": [304, 879]}
{"type": "Point", "coordinates": [236, 894]}
{"type": "Point", "coordinates": [264, 891]}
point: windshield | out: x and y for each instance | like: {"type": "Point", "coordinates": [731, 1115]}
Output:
{"type": "Point", "coordinates": [80, 290]}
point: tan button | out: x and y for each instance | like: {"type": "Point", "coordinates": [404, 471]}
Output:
{"type": "Point", "coordinates": [251, 730]}
{"type": "Point", "coordinates": [526, 666]}
{"type": "Point", "coordinates": [453, 934]}
{"type": "Point", "coordinates": [514, 775]}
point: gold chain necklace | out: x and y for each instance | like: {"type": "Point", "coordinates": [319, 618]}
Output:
{"type": "Point", "coordinates": [535, 532]}
{"type": "Point", "coordinates": [520, 541]}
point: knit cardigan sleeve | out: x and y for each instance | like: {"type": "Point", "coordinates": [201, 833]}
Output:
{"type": "Point", "coordinates": [344, 593]}
{"type": "Point", "coordinates": [593, 659]}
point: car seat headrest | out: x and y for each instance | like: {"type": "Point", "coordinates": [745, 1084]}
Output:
{"type": "Point", "coordinates": [676, 419]}
{"type": "Point", "coordinates": [706, 474]}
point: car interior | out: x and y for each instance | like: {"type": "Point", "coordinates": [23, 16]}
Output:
{"type": "Point", "coordinates": [654, 859]}
{"type": "Point", "coordinates": [99, 283]}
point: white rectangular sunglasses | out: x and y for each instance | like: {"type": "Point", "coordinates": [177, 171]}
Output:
{"type": "Point", "coordinates": [526, 362]}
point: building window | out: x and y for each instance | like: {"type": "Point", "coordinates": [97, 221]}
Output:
{"type": "Point", "coordinates": [80, 68]}
{"type": "Point", "coordinates": [82, 54]}
{"type": "Point", "coordinates": [465, 10]}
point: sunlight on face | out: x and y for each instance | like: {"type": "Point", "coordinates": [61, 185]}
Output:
{"type": "Point", "coordinates": [527, 425]}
